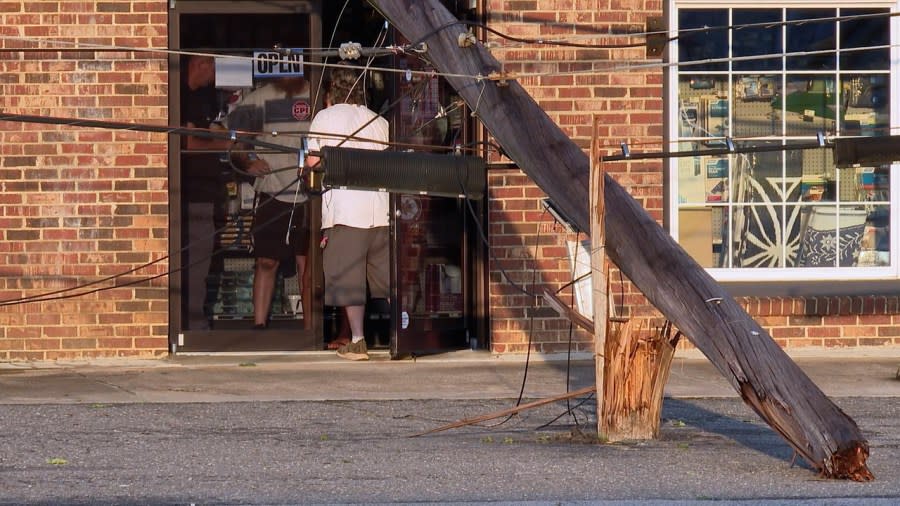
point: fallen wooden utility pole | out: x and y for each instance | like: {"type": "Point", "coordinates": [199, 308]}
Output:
{"type": "Point", "coordinates": [759, 370]}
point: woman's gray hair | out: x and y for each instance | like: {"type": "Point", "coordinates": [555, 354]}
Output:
{"type": "Point", "coordinates": [347, 86]}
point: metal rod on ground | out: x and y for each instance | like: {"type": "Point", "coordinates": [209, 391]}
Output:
{"type": "Point", "coordinates": [510, 411]}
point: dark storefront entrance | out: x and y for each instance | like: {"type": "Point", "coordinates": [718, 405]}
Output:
{"type": "Point", "coordinates": [438, 255]}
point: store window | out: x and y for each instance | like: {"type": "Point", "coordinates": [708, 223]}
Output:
{"type": "Point", "coordinates": [761, 88]}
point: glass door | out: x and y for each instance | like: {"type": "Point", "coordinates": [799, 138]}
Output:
{"type": "Point", "coordinates": [432, 275]}
{"type": "Point", "coordinates": [213, 204]}
{"type": "Point", "coordinates": [438, 256]}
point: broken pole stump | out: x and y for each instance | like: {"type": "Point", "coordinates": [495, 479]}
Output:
{"type": "Point", "coordinates": [637, 368]}
{"type": "Point", "coordinates": [759, 370]}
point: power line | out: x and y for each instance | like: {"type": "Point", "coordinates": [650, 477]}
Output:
{"type": "Point", "coordinates": [369, 52]}
{"type": "Point", "coordinates": [681, 32]}
{"type": "Point", "coordinates": [522, 40]}
{"type": "Point", "coordinates": [58, 294]}
{"type": "Point", "coordinates": [206, 133]}
{"type": "Point", "coordinates": [415, 48]}
{"type": "Point", "coordinates": [220, 134]}
{"type": "Point", "coordinates": [248, 136]}
{"type": "Point", "coordinates": [245, 137]}
{"type": "Point", "coordinates": [789, 22]}
{"type": "Point", "coordinates": [731, 150]}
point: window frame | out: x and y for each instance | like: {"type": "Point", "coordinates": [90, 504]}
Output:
{"type": "Point", "coordinates": [782, 273]}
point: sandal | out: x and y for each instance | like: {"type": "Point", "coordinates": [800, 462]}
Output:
{"type": "Point", "coordinates": [337, 343]}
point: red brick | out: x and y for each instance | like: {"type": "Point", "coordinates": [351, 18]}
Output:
{"type": "Point", "coordinates": [874, 341]}
{"type": "Point", "coordinates": [787, 332]}
{"type": "Point", "coordinates": [823, 331]}
{"type": "Point", "coordinates": [43, 343]}
{"type": "Point", "coordinates": [889, 331]}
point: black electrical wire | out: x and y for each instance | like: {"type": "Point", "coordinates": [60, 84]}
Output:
{"type": "Point", "coordinates": [564, 413]}
{"type": "Point", "coordinates": [40, 297]}
{"type": "Point", "coordinates": [715, 152]}
{"type": "Point", "coordinates": [477, 24]}
{"type": "Point", "coordinates": [52, 295]}
{"type": "Point", "coordinates": [572, 329]}
{"type": "Point", "coordinates": [245, 137]}
{"type": "Point", "coordinates": [205, 133]}
{"type": "Point", "coordinates": [486, 241]}
{"type": "Point", "coordinates": [49, 296]}
{"type": "Point", "coordinates": [476, 219]}
{"type": "Point", "coordinates": [773, 24]}
{"type": "Point", "coordinates": [681, 33]}
{"type": "Point", "coordinates": [537, 243]}
{"type": "Point", "coordinates": [249, 137]}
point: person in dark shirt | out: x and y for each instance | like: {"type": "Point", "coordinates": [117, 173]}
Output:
{"type": "Point", "coordinates": [202, 182]}
{"type": "Point", "coordinates": [280, 227]}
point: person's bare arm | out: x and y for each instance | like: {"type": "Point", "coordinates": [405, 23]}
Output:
{"type": "Point", "coordinates": [311, 161]}
{"type": "Point", "coordinates": [206, 143]}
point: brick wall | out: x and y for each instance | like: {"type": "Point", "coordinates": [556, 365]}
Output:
{"type": "Point", "coordinates": [574, 86]}
{"type": "Point", "coordinates": [80, 207]}
{"type": "Point", "coordinates": [858, 321]}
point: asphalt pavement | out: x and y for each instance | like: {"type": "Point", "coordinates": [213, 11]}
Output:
{"type": "Point", "coordinates": [313, 429]}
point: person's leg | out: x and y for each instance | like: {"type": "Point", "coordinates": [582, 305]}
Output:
{"type": "Point", "coordinates": [378, 275]}
{"type": "Point", "coordinates": [270, 221]}
{"type": "Point", "coordinates": [200, 243]}
{"type": "Point", "coordinates": [378, 263]}
{"type": "Point", "coordinates": [356, 349]}
{"type": "Point", "coordinates": [343, 334]}
{"type": "Point", "coordinates": [300, 242]}
{"type": "Point", "coordinates": [356, 317]}
{"type": "Point", "coordinates": [344, 265]}
{"type": "Point", "coordinates": [264, 277]}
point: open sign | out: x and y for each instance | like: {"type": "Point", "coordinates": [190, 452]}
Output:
{"type": "Point", "coordinates": [269, 64]}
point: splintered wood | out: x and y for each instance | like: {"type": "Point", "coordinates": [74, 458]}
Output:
{"type": "Point", "coordinates": [637, 368]}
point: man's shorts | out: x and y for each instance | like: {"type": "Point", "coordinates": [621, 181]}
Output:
{"type": "Point", "coordinates": [353, 256]}
{"type": "Point", "coordinates": [270, 226]}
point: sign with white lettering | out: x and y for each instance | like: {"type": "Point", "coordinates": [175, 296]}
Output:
{"type": "Point", "coordinates": [285, 63]}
